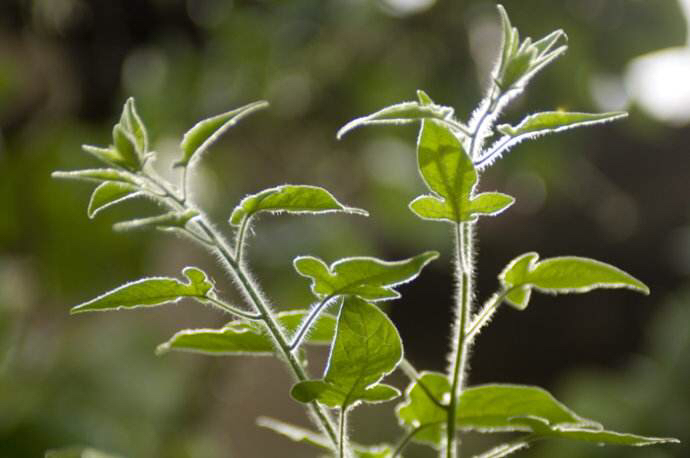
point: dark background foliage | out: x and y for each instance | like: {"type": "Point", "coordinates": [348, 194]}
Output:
{"type": "Point", "coordinates": [618, 193]}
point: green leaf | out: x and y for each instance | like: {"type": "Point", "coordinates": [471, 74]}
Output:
{"type": "Point", "coordinates": [109, 193]}
{"type": "Point", "coordinates": [108, 155]}
{"type": "Point", "coordinates": [366, 348]}
{"type": "Point", "coordinates": [419, 411]}
{"type": "Point", "coordinates": [295, 199]}
{"type": "Point", "coordinates": [368, 278]}
{"type": "Point", "coordinates": [557, 121]}
{"type": "Point", "coordinates": [566, 274]}
{"type": "Point", "coordinates": [78, 452]}
{"type": "Point", "coordinates": [504, 449]}
{"type": "Point", "coordinates": [124, 144]}
{"type": "Point", "coordinates": [305, 436]}
{"type": "Point", "coordinates": [204, 133]}
{"type": "Point", "coordinates": [134, 126]}
{"type": "Point", "coordinates": [150, 292]}
{"type": "Point", "coordinates": [544, 430]}
{"type": "Point", "coordinates": [402, 113]}
{"type": "Point", "coordinates": [243, 337]}
{"type": "Point", "coordinates": [491, 408]}
{"type": "Point", "coordinates": [448, 171]}
{"type": "Point", "coordinates": [171, 220]}
{"type": "Point", "coordinates": [96, 175]}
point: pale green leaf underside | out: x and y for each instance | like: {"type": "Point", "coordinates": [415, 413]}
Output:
{"type": "Point", "coordinates": [567, 274]}
{"type": "Point", "coordinates": [204, 133]}
{"type": "Point", "coordinates": [419, 411]}
{"type": "Point", "coordinates": [150, 292]}
{"type": "Point", "coordinates": [504, 450]}
{"type": "Point", "coordinates": [296, 199]}
{"type": "Point", "coordinates": [109, 193]}
{"type": "Point", "coordinates": [242, 337]}
{"type": "Point", "coordinates": [306, 436]}
{"type": "Point", "coordinates": [401, 113]}
{"type": "Point", "coordinates": [556, 121]}
{"type": "Point", "coordinates": [596, 435]}
{"type": "Point", "coordinates": [96, 175]}
{"type": "Point", "coordinates": [366, 348]}
{"type": "Point", "coordinates": [448, 171]}
{"type": "Point", "coordinates": [166, 221]}
{"type": "Point", "coordinates": [368, 278]}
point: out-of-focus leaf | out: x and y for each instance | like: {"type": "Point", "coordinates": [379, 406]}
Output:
{"type": "Point", "coordinates": [150, 292]}
{"type": "Point", "coordinates": [244, 337]}
{"type": "Point", "coordinates": [169, 220]}
{"type": "Point", "coordinates": [296, 199]}
{"type": "Point", "coordinates": [78, 452]}
{"type": "Point", "coordinates": [368, 278]}
{"type": "Point", "coordinates": [566, 274]}
{"type": "Point", "coordinates": [366, 348]}
{"type": "Point", "coordinates": [557, 121]}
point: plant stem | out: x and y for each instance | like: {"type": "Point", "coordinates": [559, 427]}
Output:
{"type": "Point", "coordinates": [406, 440]}
{"type": "Point", "coordinates": [251, 291]}
{"type": "Point", "coordinates": [413, 375]}
{"type": "Point", "coordinates": [232, 310]}
{"type": "Point", "coordinates": [306, 324]}
{"type": "Point", "coordinates": [341, 436]}
{"type": "Point", "coordinates": [463, 272]}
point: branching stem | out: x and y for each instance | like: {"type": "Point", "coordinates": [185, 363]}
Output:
{"type": "Point", "coordinates": [304, 328]}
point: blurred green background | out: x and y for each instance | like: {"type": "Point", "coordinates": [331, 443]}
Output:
{"type": "Point", "coordinates": [619, 193]}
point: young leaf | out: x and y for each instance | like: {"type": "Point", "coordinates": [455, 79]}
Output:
{"type": "Point", "coordinates": [543, 430]}
{"type": "Point", "coordinates": [108, 155]}
{"type": "Point", "coordinates": [493, 407]}
{"type": "Point", "coordinates": [368, 278]}
{"type": "Point", "coordinates": [169, 220]}
{"type": "Point", "coordinates": [109, 193]}
{"type": "Point", "coordinates": [243, 337]}
{"type": "Point", "coordinates": [448, 171]}
{"type": "Point", "coordinates": [402, 113]}
{"type": "Point", "coordinates": [305, 436]}
{"type": "Point", "coordinates": [97, 175]}
{"type": "Point", "coordinates": [204, 133]}
{"type": "Point", "coordinates": [557, 121]}
{"type": "Point", "coordinates": [124, 144]}
{"type": "Point", "coordinates": [567, 274]}
{"type": "Point", "coordinates": [133, 125]}
{"type": "Point", "coordinates": [150, 292]}
{"type": "Point", "coordinates": [366, 348]}
{"type": "Point", "coordinates": [420, 412]}
{"type": "Point", "coordinates": [296, 199]}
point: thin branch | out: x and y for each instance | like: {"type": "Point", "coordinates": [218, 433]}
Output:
{"type": "Point", "coordinates": [306, 324]}
{"type": "Point", "coordinates": [413, 375]}
{"type": "Point", "coordinates": [233, 310]}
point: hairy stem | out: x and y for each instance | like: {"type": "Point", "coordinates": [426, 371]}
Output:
{"type": "Point", "coordinates": [463, 272]}
{"type": "Point", "coordinates": [342, 434]}
{"type": "Point", "coordinates": [321, 417]}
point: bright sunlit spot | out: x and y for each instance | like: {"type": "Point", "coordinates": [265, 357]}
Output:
{"type": "Point", "coordinates": [406, 7]}
{"type": "Point", "coordinates": [659, 82]}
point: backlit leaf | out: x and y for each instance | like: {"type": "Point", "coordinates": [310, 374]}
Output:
{"type": "Point", "coordinates": [366, 348]}
{"type": "Point", "coordinates": [169, 220]}
{"type": "Point", "coordinates": [306, 436]}
{"type": "Point", "coordinates": [109, 193]}
{"type": "Point", "coordinates": [566, 274]}
{"type": "Point", "coordinates": [296, 199]}
{"type": "Point", "coordinates": [150, 292]}
{"type": "Point", "coordinates": [244, 337]}
{"type": "Point", "coordinates": [492, 408]}
{"type": "Point", "coordinates": [368, 278]}
{"type": "Point", "coordinates": [96, 175]}
{"type": "Point", "coordinates": [204, 133]}
{"type": "Point", "coordinates": [125, 145]}
{"type": "Point", "coordinates": [599, 436]}
{"type": "Point", "coordinates": [402, 113]}
{"type": "Point", "coordinates": [557, 121]}
{"type": "Point", "coordinates": [132, 123]}
{"type": "Point", "coordinates": [448, 171]}
{"type": "Point", "coordinates": [420, 411]}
